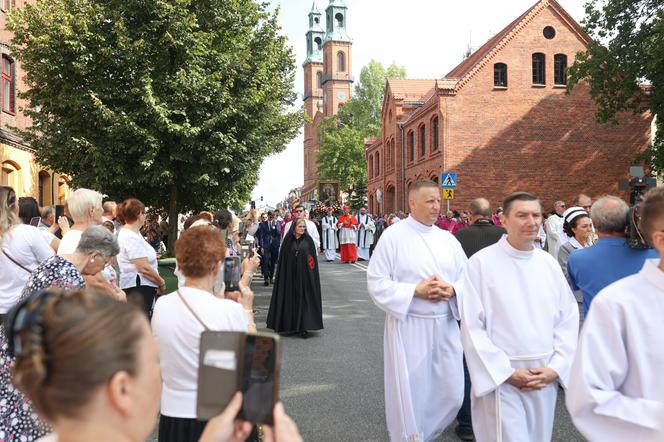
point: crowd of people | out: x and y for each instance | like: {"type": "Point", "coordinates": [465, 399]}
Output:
{"type": "Point", "coordinates": [91, 345]}
{"type": "Point", "coordinates": [483, 310]}
{"type": "Point", "coordinates": [482, 326]}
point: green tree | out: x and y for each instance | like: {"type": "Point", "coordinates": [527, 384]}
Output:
{"type": "Point", "coordinates": [628, 50]}
{"type": "Point", "coordinates": [341, 154]}
{"type": "Point", "coordinates": [175, 102]}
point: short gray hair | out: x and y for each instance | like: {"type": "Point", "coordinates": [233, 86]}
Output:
{"type": "Point", "coordinates": [98, 239]}
{"type": "Point", "coordinates": [46, 211]}
{"type": "Point", "coordinates": [81, 200]}
{"type": "Point", "coordinates": [609, 214]}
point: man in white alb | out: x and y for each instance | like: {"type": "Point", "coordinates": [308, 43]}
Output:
{"type": "Point", "coordinates": [554, 225]}
{"type": "Point", "coordinates": [329, 243]}
{"type": "Point", "coordinates": [365, 234]}
{"type": "Point", "coordinates": [616, 388]}
{"type": "Point", "coordinates": [423, 357]}
{"type": "Point", "coordinates": [519, 326]}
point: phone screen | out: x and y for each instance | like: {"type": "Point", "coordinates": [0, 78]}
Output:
{"type": "Point", "coordinates": [258, 379]}
{"type": "Point", "coordinates": [232, 273]}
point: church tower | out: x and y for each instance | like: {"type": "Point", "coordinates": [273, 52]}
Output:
{"type": "Point", "coordinates": [327, 79]}
{"type": "Point", "coordinates": [337, 75]}
{"type": "Point", "coordinates": [313, 93]}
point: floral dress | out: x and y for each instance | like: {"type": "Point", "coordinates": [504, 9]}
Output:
{"type": "Point", "coordinates": [18, 421]}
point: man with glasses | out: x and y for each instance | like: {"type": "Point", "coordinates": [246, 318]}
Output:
{"type": "Point", "coordinates": [312, 230]}
{"type": "Point", "coordinates": [554, 225]}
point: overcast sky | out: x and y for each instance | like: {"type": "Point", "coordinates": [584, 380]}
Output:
{"type": "Point", "coordinates": [427, 37]}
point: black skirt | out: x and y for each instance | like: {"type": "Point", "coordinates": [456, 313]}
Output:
{"type": "Point", "coordinates": [179, 429]}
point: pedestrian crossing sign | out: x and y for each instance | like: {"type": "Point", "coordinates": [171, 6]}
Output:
{"type": "Point", "coordinates": [448, 180]}
{"type": "Point", "coordinates": [448, 194]}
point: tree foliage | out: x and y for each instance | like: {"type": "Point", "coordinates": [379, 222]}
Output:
{"type": "Point", "coordinates": [341, 154]}
{"type": "Point", "coordinates": [628, 50]}
{"type": "Point", "coordinates": [175, 102]}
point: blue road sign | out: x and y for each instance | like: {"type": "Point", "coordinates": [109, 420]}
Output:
{"type": "Point", "coordinates": [448, 180]}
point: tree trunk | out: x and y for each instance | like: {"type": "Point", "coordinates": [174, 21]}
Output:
{"type": "Point", "coordinates": [173, 220]}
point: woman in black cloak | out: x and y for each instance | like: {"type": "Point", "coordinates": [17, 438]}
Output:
{"type": "Point", "coordinates": [296, 300]}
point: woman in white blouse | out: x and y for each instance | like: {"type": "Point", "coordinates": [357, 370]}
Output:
{"type": "Point", "coordinates": [137, 260]}
{"type": "Point", "coordinates": [23, 248]}
{"type": "Point", "coordinates": [180, 318]}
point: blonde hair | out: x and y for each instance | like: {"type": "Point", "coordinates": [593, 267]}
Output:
{"type": "Point", "coordinates": [81, 200]}
{"type": "Point", "coordinates": [8, 219]}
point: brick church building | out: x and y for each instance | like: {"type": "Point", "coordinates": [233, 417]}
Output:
{"type": "Point", "coordinates": [327, 80]}
{"type": "Point", "coordinates": [502, 120]}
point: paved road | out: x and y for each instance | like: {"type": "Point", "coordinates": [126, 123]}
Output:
{"type": "Point", "coordinates": [332, 382]}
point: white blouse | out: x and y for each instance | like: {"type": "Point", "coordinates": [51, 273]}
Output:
{"type": "Point", "coordinates": [178, 336]}
{"type": "Point", "coordinates": [134, 246]}
{"type": "Point", "coordinates": [26, 245]}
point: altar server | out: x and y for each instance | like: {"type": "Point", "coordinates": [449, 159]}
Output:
{"type": "Point", "coordinates": [365, 234]}
{"type": "Point", "coordinates": [330, 243]}
{"type": "Point", "coordinates": [408, 279]}
{"type": "Point", "coordinates": [616, 387]}
{"type": "Point", "coordinates": [519, 326]}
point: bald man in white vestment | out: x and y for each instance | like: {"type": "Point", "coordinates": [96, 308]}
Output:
{"type": "Point", "coordinates": [408, 279]}
{"type": "Point", "coordinates": [616, 388]}
{"type": "Point", "coordinates": [519, 327]}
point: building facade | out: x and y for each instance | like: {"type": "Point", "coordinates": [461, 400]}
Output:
{"type": "Point", "coordinates": [18, 167]}
{"type": "Point", "coordinates": [327, 80]}
{"type": "Point", "coordinates": [503, 121]}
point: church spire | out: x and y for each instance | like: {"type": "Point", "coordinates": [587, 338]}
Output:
{"type": "Point", "coordinates": [335, 15]}
{"type": "Point", "coordinates": [315, 36]}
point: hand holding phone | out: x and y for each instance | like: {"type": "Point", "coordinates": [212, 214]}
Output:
{"type": "Point", "coordinates": [232, 273]}
{"type": "Point", "coordinates": [236, 361]}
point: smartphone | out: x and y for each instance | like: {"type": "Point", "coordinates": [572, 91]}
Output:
{"type": "Point", "coordinates": [232, 273]}
{"type": "Point", "coordinates": [236, 361]}
{"type": "Point", "coordinates": [260, 377]}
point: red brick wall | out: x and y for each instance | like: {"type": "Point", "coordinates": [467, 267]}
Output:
{"type": "Point", "coordinates": [527, 137]}
{"type": "Point", "coordinates": [19, 119]}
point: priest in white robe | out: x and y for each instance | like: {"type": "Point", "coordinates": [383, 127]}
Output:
{"type": "Point", "coordinates": [312, 230]}
{"type": "Point", "coordinates": [519, 327]}
{"type": "Point", "coordinates": [408, 279]}
{"type": "Point", "coordinates": [365, 234]}
{"type": "Point", "coordinates": [330, 242]}
{"type": "Point", "coordinates": [616, 386]}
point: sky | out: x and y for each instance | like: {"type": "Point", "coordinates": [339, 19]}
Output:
{"type": "Point", "coordinates": [427, 37]}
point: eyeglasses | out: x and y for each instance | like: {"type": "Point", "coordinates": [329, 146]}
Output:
{"type": "Point", "coordinates": [299, 211]}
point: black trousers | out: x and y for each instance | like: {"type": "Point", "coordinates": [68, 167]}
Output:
{"type": "Point", "coordinates": [143, 297]}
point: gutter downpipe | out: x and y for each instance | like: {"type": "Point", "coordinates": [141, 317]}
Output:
{"type": "Point", "coordinates": [403, 169]}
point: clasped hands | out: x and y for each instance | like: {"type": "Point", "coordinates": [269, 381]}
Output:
{"type": "Point", "coordinates": [530, 379]}
{"type": "Point", "coordinates": [434, 289]}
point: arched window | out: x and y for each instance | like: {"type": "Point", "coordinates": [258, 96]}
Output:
{"type": "Point", "coordinates": [434, 134]}
{"type": "Point", "coordinates": [371, 204]}
{"type": "Point", "coordinates": [560, 69]}
{"type": "Point", "coordinates": [371, 167]}
{"type": "Point", "coordinates": [8, 85]}
{"type": "Point", "coordinates": [500, 75]}
{"type": "Point", "coordinates": [339, 17]}
{"type": "Point", "coordinates": [319, 79]}
{"type": "Point", "coordinates": [318, 42]}
{"type": "Point", "coordinates": [539, 69]}
{"type": "Point", "coordinates": [377, 167]}
{"type": "Point", "coordinates": [423, 140]}
{"type": "Point", "coordinates": [411, 146]}
{"type": "Point", "coordinates": [11, 176]}
{"type": "Point", "coordinates": [389, 116]}
{"type": "Point", "coordinates": [341, 61]}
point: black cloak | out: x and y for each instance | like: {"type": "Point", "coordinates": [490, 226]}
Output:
{"type": "Point", "coordinates": [296, 298]}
